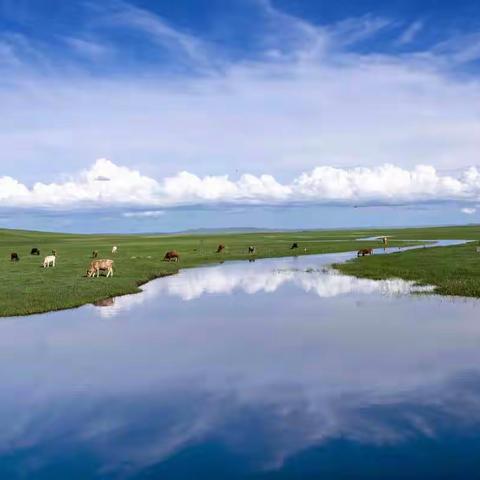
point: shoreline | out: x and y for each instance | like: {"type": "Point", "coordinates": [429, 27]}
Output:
{"type": "Point", "coordinates": [410, 245]}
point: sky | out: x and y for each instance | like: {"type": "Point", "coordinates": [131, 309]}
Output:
{"type": "Point", "coordinates": [153, 116]}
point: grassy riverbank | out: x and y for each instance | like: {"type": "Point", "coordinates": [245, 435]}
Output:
{"type": "Point", "coordinates": [453, 270]}
{"type": "Point", "coordinates": [27, 288]}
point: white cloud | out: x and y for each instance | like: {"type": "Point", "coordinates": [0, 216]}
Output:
{"type": "Point", "coordinates": [410, 33]}
{"type": "Point", "coordinates": [308, 100]}
{"type": "Point", "coordinates": [87, 47]}
{"type": "Point", "coordinates": [385, 184]}
{"type": "Point", "coordinates": [145, 214]}
{"type": "Point", "coordinates": [156, 29]}
{"type": "Point", "coordinates": [468, 211]}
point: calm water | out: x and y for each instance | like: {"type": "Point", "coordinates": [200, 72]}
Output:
{"type": "Point", "coordinates": [278, 369]}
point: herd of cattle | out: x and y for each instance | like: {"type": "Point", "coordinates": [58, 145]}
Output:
{"type": "Point", "coordinates": [106, 265]}
{"type": "Point", "coordinates": [94, 268]}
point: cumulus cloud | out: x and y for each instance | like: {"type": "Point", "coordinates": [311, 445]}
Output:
{"type": "Point", "coordinates": [126, 187]}
{"type": "Point", "coordinates": [468, 211]}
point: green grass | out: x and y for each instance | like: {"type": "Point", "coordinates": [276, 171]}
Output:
{"type": "Point", "coordinates": [26, 288]}
{"type": "Point", "coordinates": [453, 270]}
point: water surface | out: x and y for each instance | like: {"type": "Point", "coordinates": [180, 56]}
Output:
{"type": "Point", "coordinates": [277, 369]}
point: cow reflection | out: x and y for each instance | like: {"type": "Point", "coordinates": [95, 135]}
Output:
{"type": "Point", "coordinates": [105, 302]}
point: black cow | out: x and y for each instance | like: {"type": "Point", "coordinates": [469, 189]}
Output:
{"type": "Point", "coordinates": [94, 254]}
{"type": "Point", "coordinates": [251, 249]}
{"type": "Point", "coordinates": [294, 245]}
{"type": "Point", "coordinates": [14, 257]}
{"type": "Point", "coordinates": [35, 251]}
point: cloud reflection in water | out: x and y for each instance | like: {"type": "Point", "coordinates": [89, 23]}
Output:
{"type": "Point", "coordinates": [263, 276]}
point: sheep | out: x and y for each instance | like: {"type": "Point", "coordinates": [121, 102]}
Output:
{"type": "Point", "coordinates": [97, 265]}
{"type": "Point", "coordinates": [114, 249]}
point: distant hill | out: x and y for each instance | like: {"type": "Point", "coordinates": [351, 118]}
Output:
{"type": "Point", "coordinates": [208, 231]}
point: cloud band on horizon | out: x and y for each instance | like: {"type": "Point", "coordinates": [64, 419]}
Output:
{"type": "Point", "coordinates": [106, 185]}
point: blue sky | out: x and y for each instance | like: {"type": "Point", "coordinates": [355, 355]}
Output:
{"type": "Point", "coordinates": [146, 115]}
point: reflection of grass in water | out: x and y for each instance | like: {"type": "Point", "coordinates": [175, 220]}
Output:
{"type": "Point", "coordinates": [301, 270]}
{"type": "Point", "coordinates": [25, 287]}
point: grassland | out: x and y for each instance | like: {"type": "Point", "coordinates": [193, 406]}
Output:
{"type": "Point", "coordinates": [26, 288]}
{"type": "Point", "coordinates": [453, 270]}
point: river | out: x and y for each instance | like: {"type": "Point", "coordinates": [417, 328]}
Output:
{"type": "Point", "coordinates": [274, 369]}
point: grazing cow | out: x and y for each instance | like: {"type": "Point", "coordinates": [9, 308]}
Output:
{"type": "Point", "coordinates": [220, 248]}
{"type": "Point", "coordinates": [171, 256]}
{"type": "Point", "coordinates": [365, 251]}
{"type": "Point", "coordinates": [251, 249]}
{"type": "Point", "coordinates": [49, 260]}
{"type": "Point", "coordinates": [294, 245]}
{"type": "Point", "coordinates": [100, 265]}
{"type": "Point", "coordinates": [114, 249]}
{"type": "Point", "coordinates": [35, 251]}
{"type": "Point", "coordinates": [95, 254]}
{"type": "Point", "coordinates": [14, 257]}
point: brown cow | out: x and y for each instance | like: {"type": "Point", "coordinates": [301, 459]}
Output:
{"type": "Point", "coordinates": [365, 251]}
{"type": "Point", "coordinates": [220, 248]}
{"type": "Point", "coordinates": [97, 265]}
{"type": "Point", "coordinates": [171, 256]}
{"type": "Point", "coordinates": [14, 257]}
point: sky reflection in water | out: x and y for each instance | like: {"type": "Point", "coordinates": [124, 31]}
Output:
{"type": "Point", "coordinates": [276, 368]}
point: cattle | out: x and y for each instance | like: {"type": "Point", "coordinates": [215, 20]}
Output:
{"type": "Point", "coordinates": [114, 249]}
{"type": "Point", "coordinates": [96, 266]}
{"type": "Point", "coordinates": [171, 256]}
{"type": "Point", "coordinates": [14, 257]}
{"type": "Point", "coordinates": [294, 245]}
{"type": "Point", "coordinates": [251, 249]}
{"type": "Point", "coordinates": [365, 251]}
{"type": "Point", "coordinates": [94, 254]}
{"type": "Point", "coordinates": [54, 253]}
{"type": "Point", "coordinates": [220, 248]}
{"type": "Point", "coordinates": [34, 251]}
{"type": "Point", "coordinates": [49, 260]}
{"type": "Point", "coordinates": [385, 241]}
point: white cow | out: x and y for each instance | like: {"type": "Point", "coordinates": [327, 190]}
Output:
{"type": "Point", "coordinates": [49, 261]}
{"type": "Point", "coordinates": [114, 249]}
